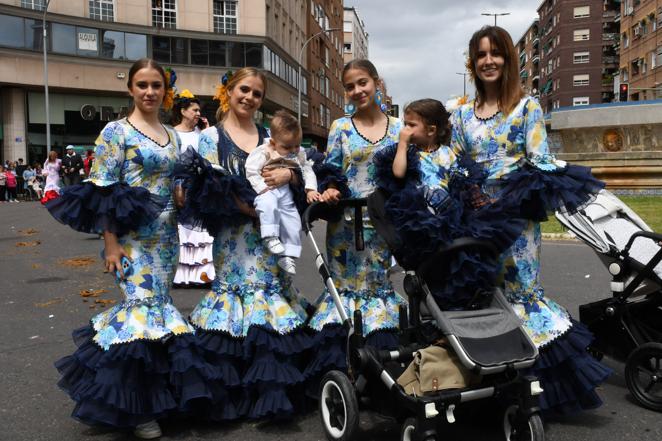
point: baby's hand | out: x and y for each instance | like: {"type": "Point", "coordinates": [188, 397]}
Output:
{"type": "Point", "coordinates": [313, 196]}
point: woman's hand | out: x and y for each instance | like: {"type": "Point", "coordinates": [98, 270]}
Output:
{"type": "Point", "coordinates": [179, 196]}
{"type": "Point", "coordinates": [330, 196]}
{"type": "Point", "coordinates": [277, 177]}
{"type": "Point", "coordinates": [114, 252]}
{"type": "Point", "coordinates": [312, 196]}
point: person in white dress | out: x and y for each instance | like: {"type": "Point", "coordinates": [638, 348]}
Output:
{"type": "Point", "coordinates": [196, 264]}
{"type": "Point", "coordinates": [51, 171]}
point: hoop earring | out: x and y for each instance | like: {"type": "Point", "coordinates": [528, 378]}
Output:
{"type": "Point", "coordinates": [350, 109]}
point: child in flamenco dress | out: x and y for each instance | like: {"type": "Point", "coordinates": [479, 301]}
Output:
{"type": "Point", "coordinates": [136, 362]}
{"type": "Point", "coordinates": [503, 130]}
{"type": "Point", "coordinates": [360, 276]}
{"type": "Point", "coordinates": [433, 197]}
{"type": "Point", "coordinates": [251, 323]}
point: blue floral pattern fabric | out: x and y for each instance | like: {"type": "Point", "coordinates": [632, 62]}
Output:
{"type": "Point", "coordinates": [251, 323]}
{"type": "Point", "coordinates": [498, 144]}
{"type": "Point", "coordinates": [125, 155]}
{"type": "Point", "coordinates": [360, 276]}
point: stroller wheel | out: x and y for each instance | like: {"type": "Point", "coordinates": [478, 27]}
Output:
{"type": "Point", "coordinates": [516, 428]}
{"type": "Point", "coordinates": [643, 375]}
{"type": "Point", "coordinates": [339, 408]}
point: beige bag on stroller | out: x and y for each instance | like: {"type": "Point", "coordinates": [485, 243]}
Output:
{"type": "Point", "coordinates": [435, 368]}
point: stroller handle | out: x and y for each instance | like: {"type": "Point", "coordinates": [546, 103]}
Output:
{"type": "Point", "coordinates": [318, 209]}
{"type": "Point", "coordinates": [647, 234]}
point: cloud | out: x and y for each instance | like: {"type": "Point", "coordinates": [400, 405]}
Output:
{"type": "Point", "coordinates": [418, 45]}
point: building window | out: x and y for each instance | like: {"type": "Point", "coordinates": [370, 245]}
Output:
{"type": "Point", "coordinates": [581, 12]}
{"type": "Point", "coordinates": [581, 35]}
{"type": "Point", "coordinates": [580, 101]}
{"type": "Point", "coordinates": [626, 40]}
{"type": "Point", "coordinates": [102, 10]}
{"type": "Point", "coordinates": [580, 57]}
{"type": "Point", "coordinates": [348, 48]}
{"type": "Point", "coordinates": [164, 13]}
{"type": "Point", "coordinates": [347, 26]}
{"type": "Point", "coordinates": [580, 80]}
{"type": "Point", "coordinates": [225, 17]}
{"type": "Point", "coordinates": [658, 57]}
{"type": "Point", "coordinates": [38, 5]}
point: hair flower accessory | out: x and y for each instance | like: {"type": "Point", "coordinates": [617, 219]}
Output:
{"type": "Point", "coordinates": [221, 94]}
{"type": "Point", "coordinates": [169, 98]}
{"type": "Point", "coordinates": [185, 94]}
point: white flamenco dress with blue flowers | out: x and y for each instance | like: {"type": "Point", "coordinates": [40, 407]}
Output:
{"type": "Point", "coordinates": [137, 361]}
{"type": "Point", "coordinates": [512, 149]}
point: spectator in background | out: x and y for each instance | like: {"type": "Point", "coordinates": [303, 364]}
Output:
{"type": "Point", "coordinates": [31, 186]}
{"type": "Point", "coordinates": [20, 168]}
{"type": "Point", "coordinates": [87, 162]}
{"type": "Point", "coordinates": [3, 184]}
{"type": "Point", "coordinates": [72, 164]}
{"type": "Point", "coordinates": [11, 183]}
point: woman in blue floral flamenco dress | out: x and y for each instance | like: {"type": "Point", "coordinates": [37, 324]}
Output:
{"type": "Point", "coordinates": [251, 323]}
{"type": "Point", "coordinates": [504, 132]}
{"type": "Point", "coordinates": [360, 276]}
{"type": "Point", "coordinates": [432, 197]}
{"type": "Point", "coordinates": [136, 362]}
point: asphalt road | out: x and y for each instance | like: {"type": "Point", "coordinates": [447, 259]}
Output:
{"type": "Point", "coordinates": [41, 303]}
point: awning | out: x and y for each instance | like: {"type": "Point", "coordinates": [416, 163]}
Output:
{"type": "Point", "coordinates": [524, 74]}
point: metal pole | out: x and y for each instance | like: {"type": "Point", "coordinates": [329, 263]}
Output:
{"type": "Point", "coordinates": [299, 74]}
{"type": "Point", "coordinates": [464, 82]}
{"type": "Point", "coordinates": [47, 110]}
{"type": "Point", "coordinates": [489, 14]}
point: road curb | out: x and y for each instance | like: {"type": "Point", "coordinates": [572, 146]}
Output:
{"type": "Point", "coordinates": [558, 236]}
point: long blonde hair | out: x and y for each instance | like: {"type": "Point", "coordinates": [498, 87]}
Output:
{"type": "Point", "coordinates": [233, 80]}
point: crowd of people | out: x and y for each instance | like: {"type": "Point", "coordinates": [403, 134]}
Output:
{"type": "Point", "coordinates": [253, 347]}
{"type": "Point", "coordinates": [20, 181]}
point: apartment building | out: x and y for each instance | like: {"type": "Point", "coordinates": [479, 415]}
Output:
{"type": "Point", "coordinates": [579, 52]}
{"type": "Point", "coordinates": [528, 51]}
{"type": "Point", "coordinates": [92, 44]}
{"type": "Point", "coordinates": [641, 49]}
{"type": "Point", "coordinates": [355, 35]}
{"type": "Point", "coordinates": [325, 63]}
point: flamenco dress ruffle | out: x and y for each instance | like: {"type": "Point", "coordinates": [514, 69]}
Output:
{"type": "Point", "coordinates": [137, 361]}
{"type": "Point", "coordinates": [568, 374]}
{"type": "Point", "coordinates": [118, 208]}
{"type": "Point", "coordinates": [542, 185]}
{"type": "Point", "coordinates": [428, 219]}
{"type": "Point", "coordinates": [255, 335]}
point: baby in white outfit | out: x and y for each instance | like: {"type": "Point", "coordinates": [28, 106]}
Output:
{"type": "Point", "coordinates": [280, 223]}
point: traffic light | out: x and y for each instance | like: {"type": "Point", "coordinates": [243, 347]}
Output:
{"type": "Point", "coordinates": [623, 95]}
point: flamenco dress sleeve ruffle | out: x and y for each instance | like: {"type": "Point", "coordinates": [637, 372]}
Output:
{"type": "Point", "coordinates": [211, 194]}
{"type": "Point", "coordinates": [118, 208]}
{"type": "Point", "coordinates": [543, 184]}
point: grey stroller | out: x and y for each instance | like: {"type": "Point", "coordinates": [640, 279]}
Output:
{"type": "Point", "coordinates": [487, 337]}
{"type": "Point", "coordinates": [628, 324]}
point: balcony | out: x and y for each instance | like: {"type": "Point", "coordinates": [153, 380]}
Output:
{"type": "Point", "coordinates": [610, 36]}
{"type": "Point", "coordinates": [609, 59]}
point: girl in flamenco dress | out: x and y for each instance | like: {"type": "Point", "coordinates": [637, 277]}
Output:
{"type": "Point", "coordinates": [360, 276]}
{"type": "Point", "coordinates": [251, 323]}
{"type": "Point", "coordinates": [503, 130]}
{"type": "Point", "coordinates": [432, 197]}
{"type": "Point", "coordinates": [136, 362]}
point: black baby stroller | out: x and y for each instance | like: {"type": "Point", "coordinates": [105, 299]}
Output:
{"type": "Point", "coordinates": [487, 338]}
{"type": "Point", "coordinates": [628, 325]}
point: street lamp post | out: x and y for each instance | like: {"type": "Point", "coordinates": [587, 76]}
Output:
{"type": "Point", "coordinates": [299, 74]}
{"type": "Point", "coordinates": [45, 48]}
{"type": "Point", "coordinates": [464, 82]}
{"type": "Point", "coordinates": [489, 14]}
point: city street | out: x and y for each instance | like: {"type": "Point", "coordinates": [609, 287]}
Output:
{"type": "Point", "coordinates": [52, 282]}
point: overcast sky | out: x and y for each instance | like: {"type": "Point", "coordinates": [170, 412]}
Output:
{"type": "Point", "coordinates": [417, 45]}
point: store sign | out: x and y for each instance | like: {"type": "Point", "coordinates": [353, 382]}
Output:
{"type": "Point", "coordinates": [87, 41]}
{"type": "Point", "coordinates": [88, 112]}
